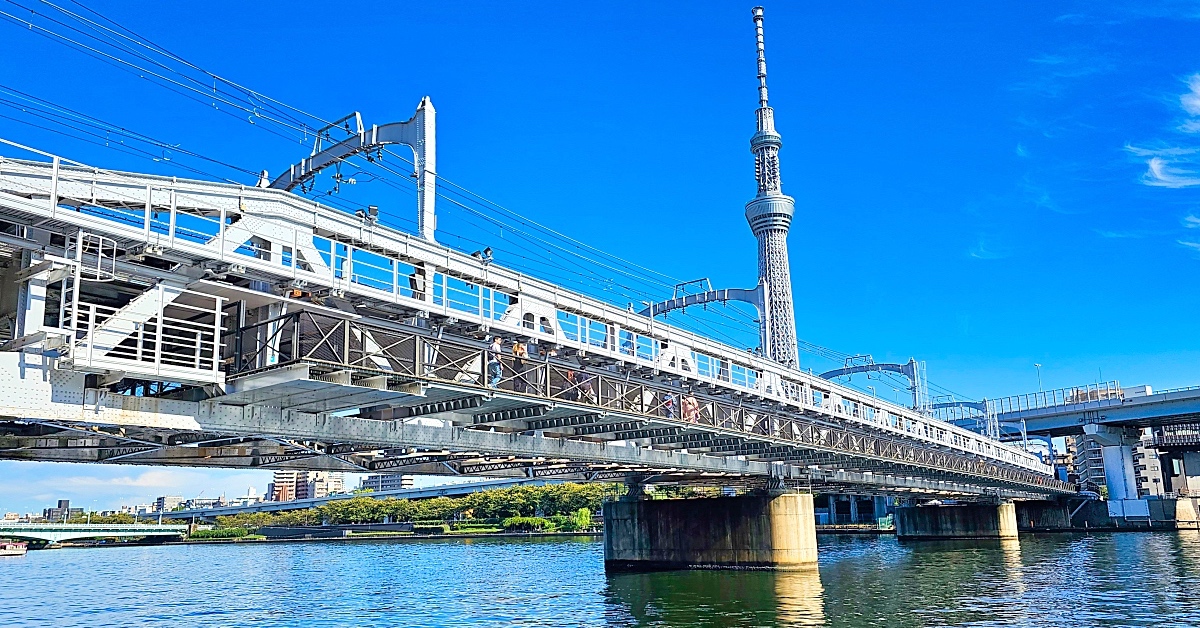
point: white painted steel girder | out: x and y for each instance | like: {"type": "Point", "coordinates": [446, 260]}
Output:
{"type": "Point", "coordinates": [165, 204]}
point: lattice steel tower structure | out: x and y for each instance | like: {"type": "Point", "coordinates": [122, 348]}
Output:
{"type": "Point", "coordinates": [770, 216]}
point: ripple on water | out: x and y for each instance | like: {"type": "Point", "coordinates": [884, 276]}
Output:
{"type": "Point", "coordinates": [1050, 580]}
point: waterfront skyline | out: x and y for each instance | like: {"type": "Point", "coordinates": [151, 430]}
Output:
{"type": "Point", "coordinates": [983, 191]}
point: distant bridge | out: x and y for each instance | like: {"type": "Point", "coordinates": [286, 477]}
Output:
{"type": "Point", "coordinates": [1112, 417]}
{"type": "Point", "coordinates": [1065, 411]}
{"type": "Point", "coordinates": [59, 532]}
{"type": "Point", "coordinates": [429, 492]}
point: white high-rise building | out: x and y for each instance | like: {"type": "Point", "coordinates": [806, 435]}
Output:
{"type": "Point", "coordinates": [386, 482]}
{"type": "Point", "coordinates": [289, 485]}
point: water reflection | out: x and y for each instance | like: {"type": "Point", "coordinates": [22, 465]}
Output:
{"type": "Point", "coordinates": [717, 598]}
{"type": "Point", "coordinates": [799, 598]}
{"type": "Point", "coordinates": [1013, 568]}
{"type": "Point", "coordinates": [1085, 580]}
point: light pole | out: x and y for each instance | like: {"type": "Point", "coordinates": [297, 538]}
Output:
{"type": "Point", "coordinates": [872, 389]}
{"type": "Point", "coordinates": [1039, 373]}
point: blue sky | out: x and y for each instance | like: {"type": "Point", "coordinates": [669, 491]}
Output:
{"type": "Point", "coordinates": [983, 187]}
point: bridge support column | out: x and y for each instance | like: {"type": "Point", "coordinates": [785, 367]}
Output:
{"type": "Point", "coordinates": [960, 521]}
{"type": "Point", "coordinates": [1116, 445]}
{"type": "Point", "coordinates": [747, 532]}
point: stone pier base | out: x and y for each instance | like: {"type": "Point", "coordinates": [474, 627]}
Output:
{"type": "Point", "coordinates": [960, 521]}
{"type": "Point", "coordinates": [750, 532]}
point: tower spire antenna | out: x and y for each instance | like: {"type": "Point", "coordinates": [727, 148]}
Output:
{"type": "Point", "coordinates": [762, 57]}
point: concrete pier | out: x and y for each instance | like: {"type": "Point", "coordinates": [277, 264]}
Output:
{"type": "Point", "coordinates": [749, 532]}
{"type": "Point", "coordinates": [959, 521]}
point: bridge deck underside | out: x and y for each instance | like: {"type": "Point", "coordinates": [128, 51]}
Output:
{"type": "Point", "coordinates": [729, 443]}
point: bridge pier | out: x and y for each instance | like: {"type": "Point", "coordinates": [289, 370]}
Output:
{"type": "Point", "coordinates": [746, 532]}
{"type": "Point", "coordinates": [1116, 447]}
{"type": "Point", "coordinates": [959, 521]}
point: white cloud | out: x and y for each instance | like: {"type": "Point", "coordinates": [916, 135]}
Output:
{"type": "Point", "coordinates": [1191, 222]}
{"type": "Point", "coordinates": [1191, 100]}
{"type": "Point", "coordinates": [1195, 246]}
{"type": "Point", "coordinates": [986, 250]}
{"type": "Point", "coordinates": [1161, 151]}
{"type": "Point", "coordinates": [1162, 173]}
{"type": "Point", "coordinates": [1120, 234]}
{"type": "Point", "coordinates": [31, 486]}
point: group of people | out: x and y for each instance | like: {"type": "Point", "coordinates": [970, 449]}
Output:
{"type": "Point", "coordinates": [578, 384]}
{"type": "Point", "coordinates": [689, 407]}
{"type": "Point", "coordinates": [526, 379]}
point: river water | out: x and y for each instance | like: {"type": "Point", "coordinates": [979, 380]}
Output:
{"type": "Point", "coordinates": [1129, 579]}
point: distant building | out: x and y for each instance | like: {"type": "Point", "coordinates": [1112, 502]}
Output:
{"type": "Point", "coordinates": [12, 516]}
{"type": "Point", "coordinates": [289, 485]}
{"type": "Point", "coordinates": [386, 482]}
{"type": "Point", "coordinates": [317, 484]}
{"type": "Point", "coordinates": [1148, 467]}
{"type": "Point", "coordinates": [249, 499]}
{"type": "Point", "coordinates": [62, 512]}
{"type": "Point", "coordinates": [1088, 463]}
{"type": "Point", "coordinates": [283, 486]}
{"type": "Point", "coordinates": [211, 502]}
{"type": "Point", "coordinates": [167, 503]}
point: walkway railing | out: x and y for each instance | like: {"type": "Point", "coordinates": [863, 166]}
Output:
{"type": "Point", "coordinates": [1074, 395]}
{"type": "Point", "coordinates": [1184, 435]}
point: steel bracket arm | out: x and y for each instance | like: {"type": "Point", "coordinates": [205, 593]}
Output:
{"type": "Point", "coordinates": [418, 133]}
{"type": "Point", "coordinates": [754, 296]}
{"type": "Point", "coordinates": [908, 370]}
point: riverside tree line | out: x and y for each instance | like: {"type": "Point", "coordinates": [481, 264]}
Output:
{"type": "Point", "coordinates": [519, 508]}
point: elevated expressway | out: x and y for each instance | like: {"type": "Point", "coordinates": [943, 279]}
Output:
{"type": "Point", "coordinates": [160, 321]}
{"type": "Point", "coordinates": [1111, 419]}
{"type": "Point", "coordinates": [1065, 411]}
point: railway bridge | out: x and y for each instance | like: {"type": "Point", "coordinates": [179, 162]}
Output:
{"type": "Point", "coordinates": [156, 320]}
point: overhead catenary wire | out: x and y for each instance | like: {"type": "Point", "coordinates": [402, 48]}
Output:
{"type": "Point", "coordinates": [294, 124]}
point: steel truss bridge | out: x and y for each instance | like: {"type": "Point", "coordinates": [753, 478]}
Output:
{"type": "Point", "coordinates": [154, 320]}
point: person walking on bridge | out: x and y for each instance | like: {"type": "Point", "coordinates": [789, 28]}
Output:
{"type": "Point", "coordinates": [520, 353]}
{"type": "Point", "coordinates": [495, 370]}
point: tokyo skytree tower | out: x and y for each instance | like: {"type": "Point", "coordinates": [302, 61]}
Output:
{"type": "Point", "coordinates": [770, 216]}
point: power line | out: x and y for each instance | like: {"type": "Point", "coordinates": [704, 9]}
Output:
{"type": "Point", "coordinates": [260, 107]}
